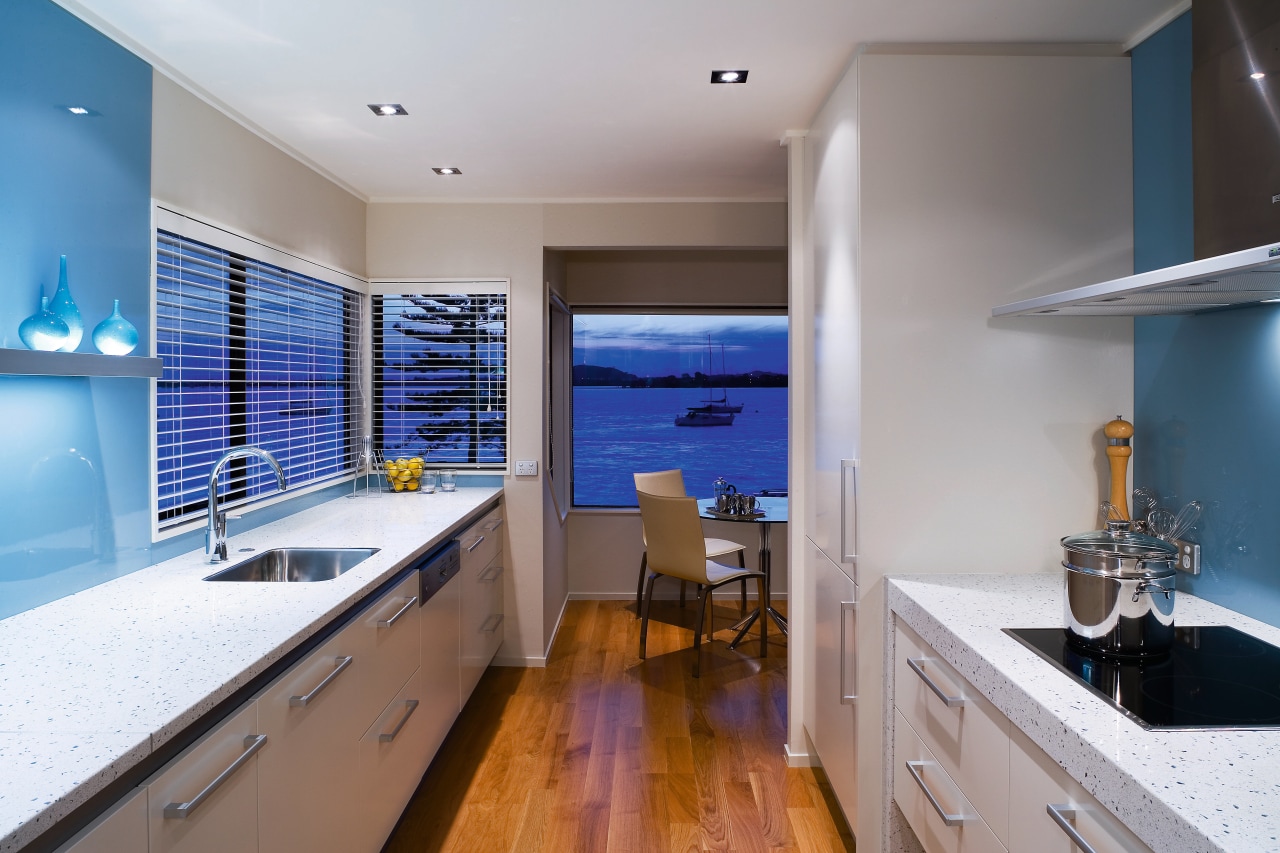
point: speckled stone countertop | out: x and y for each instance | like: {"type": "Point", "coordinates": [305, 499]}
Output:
{"type": "Point", "coordinates": [90, 684]}
{"type": "Point", "coordinates": [1184, 791]}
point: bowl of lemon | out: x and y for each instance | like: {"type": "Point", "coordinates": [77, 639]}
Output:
{"type": "Point", "coordinates": [404, 474]}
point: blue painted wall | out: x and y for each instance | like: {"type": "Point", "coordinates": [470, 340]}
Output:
{"type": "Point", "coordinates": [74, 469]}
{"type": "Point", "coordinates": [1206, 387]}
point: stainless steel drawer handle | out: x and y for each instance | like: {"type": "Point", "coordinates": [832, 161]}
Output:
{"type": "Point", "coordinates": [410, 706]}
{"type": "Point", "coordinates": [1063, 815]}
{"type": "Point", "coordinates": [493, 525]}
{"type": "Point", "coordinates": [387, 623]}
{"type": "Point", "coordinates": [847, 697]}
{"type": "Point", "coordinates": [913, 767]}
{"type": "Point", "coordinates": [950, 701]}
{"type": "Point", "coordinates": [181, 811]}
{"type": "Point", "coordinates": [339, 665]}
{"type": "Point", "coordinates": [496, 619]}
{"type": "Point", "coordinates": [487, 578]}
{"type": "Point", "coordinates": [474, 545]}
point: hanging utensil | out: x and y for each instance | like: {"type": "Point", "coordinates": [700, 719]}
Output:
{"type": "Point", "coordinates": [1160, 523]}
{"type": "Point", "coordinates": [1186, 517]}
{"type": "Point", "coordinates": [1109, 512]}
{"type": "Point", "coordinates": [1144, 500]}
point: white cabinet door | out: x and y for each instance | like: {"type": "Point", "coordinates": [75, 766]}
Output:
{"type": "Point", "coordinates": [441, 669]}
{"type": "Point", "coordinates": [835, 721]}
{"type": "Point", "coordinates": [311, 716]}
{"type": "Point", "coordinates": [122, 829]}
{"type": "Point", "coordinates": [393, 626]}
{"type": "Point", "coordinates": [482, 615]}
{"type": "Point", "coordinates": [206, 800]}
{"type": "Point", "coordinates": [1036, 784]}
{"type": "Point", "coordinates": [391, 763]}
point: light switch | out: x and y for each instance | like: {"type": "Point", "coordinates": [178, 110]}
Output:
{"type": "Point", "coordinates": [527, 468]}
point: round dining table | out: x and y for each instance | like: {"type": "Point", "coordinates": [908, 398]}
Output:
{"type": "Point", "coordinates": [771, 511]}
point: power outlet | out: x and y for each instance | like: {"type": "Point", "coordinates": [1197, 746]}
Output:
{"type": "Point", "coordinates": [1188, 556]}
{"type": "Point", "coordinates": [527, 468]}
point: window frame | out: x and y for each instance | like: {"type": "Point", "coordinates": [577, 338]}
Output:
{"type": "Point", "coordinates": [189, 226]}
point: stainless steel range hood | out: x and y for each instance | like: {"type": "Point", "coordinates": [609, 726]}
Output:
{"type": "Point", "coordinates": [1241, 278]}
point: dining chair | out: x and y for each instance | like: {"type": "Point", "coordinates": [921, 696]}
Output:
{"type": "Point", "coordinates": [670, 484]}
{"type": "Point", "coordinates": [676, 549]}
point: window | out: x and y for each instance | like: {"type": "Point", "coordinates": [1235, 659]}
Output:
{"type": "Point", "coordinates": [440, 372]}
{"type": "Point", "coordinates": [700, 392]}
{"type": "Point", "coordinates": [254, 354]}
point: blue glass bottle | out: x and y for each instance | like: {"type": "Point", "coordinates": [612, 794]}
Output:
{"type": "Point", "coordinates": [65, 308]}
{"type": "Point", "coordinates": [115, 335]}
{"type": "Point", "coordinates": [43, 330]}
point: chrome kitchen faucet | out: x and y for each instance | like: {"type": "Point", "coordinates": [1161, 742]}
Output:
{"type": "Point", "coordinates": [215, 535]}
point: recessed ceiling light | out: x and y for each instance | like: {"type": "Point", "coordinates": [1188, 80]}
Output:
{"type": "Point", "coordinates": [388, 110]}
{"type": "Point", "coordinates": [1258, 75]}
{"type": "Point", "coordinates": [739, 76]}
{"type": "Point", "coordinates": [447, 170]}
{"type": "Point", "coordinates": [78, 110]}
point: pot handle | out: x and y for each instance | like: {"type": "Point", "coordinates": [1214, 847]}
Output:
{"type": "Point", "coordinates": [1150, 588]}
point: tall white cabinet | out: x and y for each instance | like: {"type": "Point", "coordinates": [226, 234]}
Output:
{"type": "Point", "coordinates": [934, 186]}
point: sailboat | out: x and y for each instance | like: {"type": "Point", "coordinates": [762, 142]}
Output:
{"type": "Point", "coordinates": [713, 412]}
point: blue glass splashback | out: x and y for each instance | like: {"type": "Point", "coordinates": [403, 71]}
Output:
{"type": "Point", "coordinates": [74, 457]}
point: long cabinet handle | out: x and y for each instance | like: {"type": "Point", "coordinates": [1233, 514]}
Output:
{"type": "Point", "coordinates": [1063, 815]}
{"type": "Point", "coordinates": [493, 525]}
{"type": "Point", "coordinates": [846, 696]}
{"type": "Point", "coordinates": [950, 701]}
{"type": "Point", "coordinates": [182, 811]}
{"type": "Point", "coordinates": [410, 706]}
{"type": "Point", "coordinates": [476, 544]}
{"type": "Point", "coordinates": [496, 619]}
{"type": "Point", "coordinates": [387, 623]}
{"type": "Point", "coordinates": [486, 578]}
{"type": "Point", "coordinates": [302, 701]}
{"type": "Point", "coordinates": [913, 767]}
{"type": "Point", "coordinates": [849, 511]}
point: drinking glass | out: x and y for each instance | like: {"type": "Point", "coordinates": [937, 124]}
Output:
{"type": "Point", "coordinates": [427, 482]}
{"type": "Point", "coordinates": [448, 480]}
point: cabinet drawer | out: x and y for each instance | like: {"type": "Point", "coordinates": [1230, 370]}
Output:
{"type": "Point", "coordinates": [483, 539]}
{"type": "Point", "coordinates": [931, 800]}
{"type": "Point", "coordinates": [966, 733]}
{"type": "Point", "coordinates": [481, 629]}
{"type": "Point", "coordinates": [122, 829]}
{"type": "Point", "coordinates": [392, 760]}
{"type": "Point", "coordinates": [393, 629]}
{"type": "Point", "coordinates": [1036, 783]}
{"type": "Point", "coordinates": [207, 798]}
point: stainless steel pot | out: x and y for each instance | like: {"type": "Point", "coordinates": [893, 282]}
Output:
{"type": "Point", "coordinates": [1120, 590]}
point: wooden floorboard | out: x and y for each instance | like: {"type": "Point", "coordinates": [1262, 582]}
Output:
{"type": "Point", "coordinates": [602, 752]}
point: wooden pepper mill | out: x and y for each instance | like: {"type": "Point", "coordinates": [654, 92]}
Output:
{"type": "Point", "coordinates": [1118, 433]}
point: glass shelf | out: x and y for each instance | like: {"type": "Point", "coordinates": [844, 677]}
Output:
{"type": "Point", "coordinates": [25, 362]}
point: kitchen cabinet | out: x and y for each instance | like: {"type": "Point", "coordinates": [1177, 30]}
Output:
{"type": "Point", "coordinates": [441, 663]}
{"type": "Point", "coordinates": [206, 799]}
{"type": "Point", "coordinates": [392, 626]}
{"type": "Point", "coordinates": [312, 717]}
{"type": "Point", "coordinates": [481, 598]}
{"type": "Point", "coordinates": [392, 757]}
{"type": "Point", "coordinates": [121, 829]}
{"type": "Point", "coordinates": [1038, 784]}
{"type": "Point", "coordinates": [835, 721]}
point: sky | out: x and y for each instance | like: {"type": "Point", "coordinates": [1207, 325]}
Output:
{"type": "Point", "coordinates": [667, 344]}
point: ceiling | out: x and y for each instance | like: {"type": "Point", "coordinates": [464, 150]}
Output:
{"type": "Point", "coordinates": [557, 99]}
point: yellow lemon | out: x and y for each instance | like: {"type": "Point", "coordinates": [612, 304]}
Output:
{"type": "Point", "coordinates": [403, 476]}
{"type": "Point", "coordinates": [417, 460]}
{"type": "Point", "coordinates": [412, 485]}
{"type": "Point", "coordinates": [399, 486]}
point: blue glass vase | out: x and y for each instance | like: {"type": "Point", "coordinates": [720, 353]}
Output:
{"type": "Point", "coordinates": [43, 330]}
{"type": "Point", "coordinates": [115, 335]}
{"type": "Point", "coordinates": [65, 308]}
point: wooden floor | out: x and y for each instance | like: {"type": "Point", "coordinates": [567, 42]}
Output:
{"type": "Point", "coordinates": [602, 751]}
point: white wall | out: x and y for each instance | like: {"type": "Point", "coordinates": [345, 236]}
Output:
{"type": "Point", "coordinates": [209, 166]}
{"type": "Point", "coordinates": [975, 180]}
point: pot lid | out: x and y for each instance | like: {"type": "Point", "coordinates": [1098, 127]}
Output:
{"type": "Point", "coordinates": [1120, 542]}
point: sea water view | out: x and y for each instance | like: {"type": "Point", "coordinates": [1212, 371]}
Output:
{"type": "Point", "coordinates": [619, 431]}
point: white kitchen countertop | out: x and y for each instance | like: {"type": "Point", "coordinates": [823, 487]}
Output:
{"type": "Point", "coordinates": [92, 683]}
{"type": "Point", "coordinates": [1184, 791]}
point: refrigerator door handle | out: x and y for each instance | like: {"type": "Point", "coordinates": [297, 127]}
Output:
{"type": "Point", "coordinates": [849, 511]}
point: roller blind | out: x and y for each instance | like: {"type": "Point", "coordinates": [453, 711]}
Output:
{"type": "Point", "coordinates": [253, 355]}
{"type": "Point", "coordinates": [440, 374]}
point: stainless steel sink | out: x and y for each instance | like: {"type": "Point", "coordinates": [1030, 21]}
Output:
{"type": "Point", "coordinates": [295, 565]}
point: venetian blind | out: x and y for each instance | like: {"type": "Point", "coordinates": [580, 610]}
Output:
{"type": "Point", "coordinates": [440, 373]}
{"type": "Point", "coordinates": [253, 355]}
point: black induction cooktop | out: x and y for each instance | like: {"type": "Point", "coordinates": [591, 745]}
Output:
{"type": "Point", "coordinates": [1214, 677]}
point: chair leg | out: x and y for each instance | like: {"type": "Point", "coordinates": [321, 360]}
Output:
{"type": "Point", "coordinates": [644, 564]}
{"type": "Point", "coordinates": [742, 564]}
{"type": "Point", "coordinates": [644, 615]}
{"type": "Point", "coordinates": [683, 586]}
{"type": "Point", "coordinates": [697, 633]}
{"type": "Point", "coordinates": [763, 618]}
